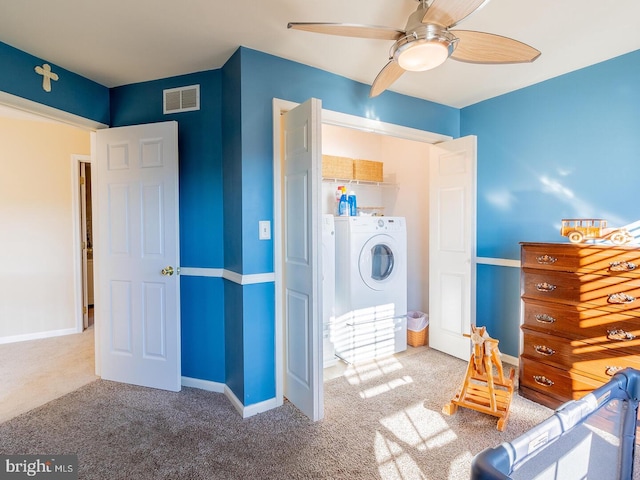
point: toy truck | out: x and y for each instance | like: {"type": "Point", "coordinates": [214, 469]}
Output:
{"type": "Point", "coordinates": [578, 230]}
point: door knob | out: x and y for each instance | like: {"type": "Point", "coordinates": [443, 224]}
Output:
{"type": "Point", "coordinates": [167, 271]}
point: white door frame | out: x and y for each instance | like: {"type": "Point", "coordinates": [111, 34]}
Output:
{"type": "Point", "coordinates": [329, 117]}
{"type": "Point", "coordinates": [78, 280]}
{"type": "Point", "coordinates": [52, 113]}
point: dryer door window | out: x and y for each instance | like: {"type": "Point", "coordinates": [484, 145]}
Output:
{"type": "Point", "coordinates": [381, 262]}
{"type": "Point", "coordinates": [377, 263]}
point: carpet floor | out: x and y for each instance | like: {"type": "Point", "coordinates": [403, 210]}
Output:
{"type": "Point", "coordinates": [382, 420]}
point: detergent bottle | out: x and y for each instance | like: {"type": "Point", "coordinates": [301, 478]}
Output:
{"type": "Point", "coordinates": [343, 205]}
{"type": "Point", "coordinates": [353, 208]}
{"type": "Point", "coordinates": [338, 195]}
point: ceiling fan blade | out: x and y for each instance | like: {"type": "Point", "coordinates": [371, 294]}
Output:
{"type": "Point", "coordinates": [350, 30]}
{"type": "Point", "coordinates": [481, 47]}
{"type": "Point", "coordinates": [451, 12]}
{"type": "Point", "coordinates": [389, 74]}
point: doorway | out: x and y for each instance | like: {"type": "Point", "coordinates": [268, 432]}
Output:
{"type": "Point", "coordinates": [328, 118]}
{"type": "Point", "coordinates": [86, 240]}
{"type": "Point", "coordinates": [38, 240]}
{"type": "Point", "coordinates": [39, 217]}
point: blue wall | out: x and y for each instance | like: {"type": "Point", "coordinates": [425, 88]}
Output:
{"type": "Point", "coordinates": [565, 148]}
{"type": "Point", "coordinates": [70, 93]}
{"type": "Point", "coordinates": [226, 187]}
{"type": "Point", "coordinates": [201, 215]}
{"type": "Point", "coordinates": [233, 213]}
{"type": "Point", "coordinates": [260, 78]}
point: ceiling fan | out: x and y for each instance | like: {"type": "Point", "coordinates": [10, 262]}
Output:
{"type": "Point", "coordinates": [427, 41]}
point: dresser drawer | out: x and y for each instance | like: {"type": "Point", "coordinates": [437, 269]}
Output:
{"type": "Point", "coordinates": [554, 382]}
{"type": "Point", "coordinates": [549, 349]}
{"type": "Point", "coordinates": [617, 330]}
{"type": "Point", "coordinates": [623, 261]}
{"type": "Point", "coordinates": [589, 359]}
{"type": "Point", "coordinates": [613, 293]}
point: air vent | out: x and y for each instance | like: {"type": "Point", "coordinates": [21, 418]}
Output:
{"type": "Point", "coordinates": [183, 99]}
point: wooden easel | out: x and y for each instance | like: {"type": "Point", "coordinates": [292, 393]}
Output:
{"type": "Point", "coordinates": [482, 390]}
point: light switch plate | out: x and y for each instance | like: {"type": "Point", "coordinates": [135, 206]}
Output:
{"type": "Point", "coordinates": [264, 230]}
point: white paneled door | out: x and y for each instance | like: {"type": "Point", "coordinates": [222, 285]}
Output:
{"type": "Point", "coordinates": [137, 255]}
{"type": "Point", "coordinates": [302, 234]}
{"type": "Point", "coordinates": [452, 245]}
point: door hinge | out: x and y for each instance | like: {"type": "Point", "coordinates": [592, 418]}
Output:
{"type": "Point", "coordinates": [84, 310]}
{"type": "Point", "coordinates": [81, 180]}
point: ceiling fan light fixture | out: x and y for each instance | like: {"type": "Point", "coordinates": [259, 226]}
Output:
{"type": "Point", "coordinates": [421, 56]}
{"type": "Point", "coordinates": [424, 50]}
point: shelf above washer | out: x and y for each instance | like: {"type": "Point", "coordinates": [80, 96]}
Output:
{"type": "Point", "coordinates": [358, 182]}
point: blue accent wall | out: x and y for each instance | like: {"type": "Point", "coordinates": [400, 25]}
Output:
{"type": "Point", "coordinates": [234, 346]}
{"type": "Point", "coordinates": [259, 342]}
{"type": "Point", "coordinates": [202, 335]}
{"type": "Point", "coordinates": [232, 162]}
{"type": "Point", "coordinates": [200, 152]}
{"type": "Point", "coordinates": [70, 93]}
{"type": "Point", "coordinates": [565, 148]}
{"type": "Point", "coordinates": [201, 214]}
{"type": "Point", "coordinates": [498, 305]}
{"type": "Point", "coordinates": [233, 214]}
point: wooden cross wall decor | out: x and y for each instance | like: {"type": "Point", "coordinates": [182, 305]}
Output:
{"type": "Point", "coordinates": [47, 76]}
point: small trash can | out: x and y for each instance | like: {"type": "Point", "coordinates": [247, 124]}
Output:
{"type": "Point", "coordinates": [417, 329]}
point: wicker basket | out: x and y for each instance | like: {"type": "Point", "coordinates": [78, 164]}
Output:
{"type": "Point", "coordinates": [418, 339]}
{"type": "Point", "coordinates": [367, 170]}
{"type": "Point", "coordinates": [337, 167]}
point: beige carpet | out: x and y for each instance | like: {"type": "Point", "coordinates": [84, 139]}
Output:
{"type": "Point", "coordinates": [382, 420]}
{"type": "Point", "coordinates": [37, 371]}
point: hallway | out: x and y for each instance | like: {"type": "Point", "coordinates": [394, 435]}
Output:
{"type": "Point", "coordinates": [35, 372]}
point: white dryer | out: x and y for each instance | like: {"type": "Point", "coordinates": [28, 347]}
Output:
{"type": "Point", "coordinates": [371, 287]}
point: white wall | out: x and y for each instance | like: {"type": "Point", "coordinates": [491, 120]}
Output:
{"type": "Point", "coordinates": [36, 229]}
{"type": "Point", "coordinates": [406, 169]}
{"type": "Point", "coordinates": [351, 143]}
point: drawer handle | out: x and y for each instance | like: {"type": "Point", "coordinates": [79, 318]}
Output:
{"type": "Point", "coordinates": [542, 380]}
{"type": "Point", "coordinates": [620, 298]}
{"type": "Point", "coordinates": [546, 260]}
{"type": "Point", "coordinates": [545, 287]}
{"type": "Point", "coordinates": [544, 318]}
{"type": "Point", "coordinates": [611, 371]}
{"type": "Point", "coordinates": [619, 334]}
{"type": "Point", "coordinates": [544, 350]}
{"type": "Point", "coordinates": [622, 266]}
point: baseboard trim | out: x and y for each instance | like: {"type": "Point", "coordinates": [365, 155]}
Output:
{"type": "Point", "coordinates": [251, 410]}
{"type": "Point", "coordinates": [38, 335]}
{"type": "Point", "coordinates": [218, 387]}
{"type": "Point", "coordinates": [207, 385]}
{"type": "Point", "coordinates": [256, 408]}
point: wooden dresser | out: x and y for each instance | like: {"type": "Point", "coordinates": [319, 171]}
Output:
{"type": "Point", "coordinates": [580, 318]}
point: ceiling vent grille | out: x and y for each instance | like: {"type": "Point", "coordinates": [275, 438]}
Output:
{"type": "Point", "coordinates": [183, 99]}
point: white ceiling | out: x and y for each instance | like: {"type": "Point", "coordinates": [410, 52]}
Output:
{"type": "Point", "coordinates": [118, 42]}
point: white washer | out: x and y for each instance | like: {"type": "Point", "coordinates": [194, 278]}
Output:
{"type": "Point", "coordinates": [371, 287]}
